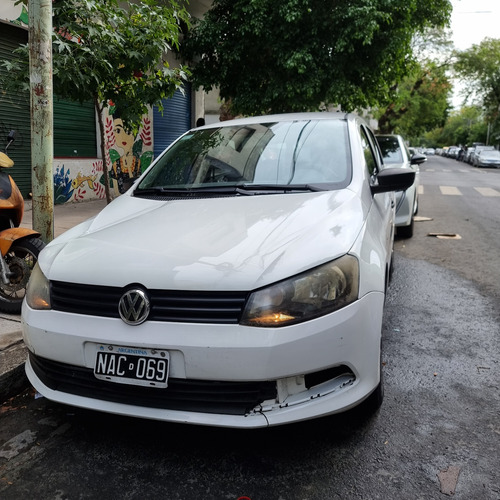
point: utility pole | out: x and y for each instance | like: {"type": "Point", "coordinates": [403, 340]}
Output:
{"type": "Point", "coordinates": [42, 128]}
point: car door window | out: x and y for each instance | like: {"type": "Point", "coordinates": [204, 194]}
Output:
{"type": "Point", "coordinates": [368, 150]}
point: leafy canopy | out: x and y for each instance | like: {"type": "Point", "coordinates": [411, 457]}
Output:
{"type": "Point", "coordinates": [293, 55]}
{"type": "Point", "coordinates": [107, 50]}
{"type": "Point", "coordinates": [420, 104]}
{"type": "Point", "coordinates": [479, 67]}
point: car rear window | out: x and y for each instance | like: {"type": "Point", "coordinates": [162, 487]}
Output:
{"type": "Point", "coordinates": [391, 150]}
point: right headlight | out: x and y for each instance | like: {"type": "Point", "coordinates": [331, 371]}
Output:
{"type": "Point", "coordinates": [314, 293]}
{"type": "Point", "coordinates": [38, 291]}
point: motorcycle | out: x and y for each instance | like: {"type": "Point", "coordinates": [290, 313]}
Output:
{"type": "Point", "coordinates": [19, 247]}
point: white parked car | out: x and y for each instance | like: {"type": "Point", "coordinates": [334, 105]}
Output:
{"type": "Point", "coordinates": [240, 282]}
{"type": "Point", "coordinates": [397, 155]}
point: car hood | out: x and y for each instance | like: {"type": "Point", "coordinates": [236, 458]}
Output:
{"type": "Point", "coordinates": [235, 243]}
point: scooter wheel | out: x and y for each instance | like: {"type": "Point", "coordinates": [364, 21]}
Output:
{"type": "Point", "coordinates": [21, 259]}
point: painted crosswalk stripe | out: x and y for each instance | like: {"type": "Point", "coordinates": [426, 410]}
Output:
{"type": "Point", "coordinates": [450, 191]}
{"type": "Point", "coordinates": [487, 191]}
{"type": "Point", "coordinates": [420, 189]}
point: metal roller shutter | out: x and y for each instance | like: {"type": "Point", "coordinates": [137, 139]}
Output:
{"type": "Point", "coordinates": [15, 113]}
{"type": "Point", "coordinates": [74, 129]}
{"type": "Point", "coordinates": [176, 120]}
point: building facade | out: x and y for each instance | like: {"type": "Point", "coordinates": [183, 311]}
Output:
{"type": "Point", "coordinates": [78, 166]}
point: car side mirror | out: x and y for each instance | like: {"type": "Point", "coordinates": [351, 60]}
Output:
{"type": "Point", "coordinates": [393, 179]}
{"type": "Point", "coordinates": [417, 159]}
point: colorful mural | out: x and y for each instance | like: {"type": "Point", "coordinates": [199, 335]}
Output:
{"type": "Point", "coordinates": [14, 12]}
{"type": "Point", "coordinates": [81, 186]}
{"type": "Point", "coordinates": [129, 154]}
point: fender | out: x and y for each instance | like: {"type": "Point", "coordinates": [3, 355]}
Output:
{"type": "Point", "coordinates": [8, 236]}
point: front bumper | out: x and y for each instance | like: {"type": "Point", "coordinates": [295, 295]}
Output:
{"type": "Point", "coordinates": [290, 366]}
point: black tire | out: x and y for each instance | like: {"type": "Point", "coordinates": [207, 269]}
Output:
{"type": "Point", "coordinates": [405, 231]}
{"type": "Point", "coordinates": [369, 407]}
{"type": "Point", "coordinates": [21, 259]}
{"type": "Point", "coordinates": [374, 400]}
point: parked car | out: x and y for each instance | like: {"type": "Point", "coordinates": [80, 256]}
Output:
{"type": "Point", "coordinates": [239, 282]}
{"type": "Point", "coordinates": [469, 152]}
{"type": "Point", "coordinates": [488, 158]}
{"type": "Point", "coordinates": [396, 154]}
{"type": "Point", "coordinates": [452, 152]}
{"type": "Point", "coordinates": [477, 152]}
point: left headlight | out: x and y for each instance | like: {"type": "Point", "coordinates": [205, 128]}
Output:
{"type": "Point", "coordinates": [38, 291]}
{"type": "Point", "coordinates": [314, 293]}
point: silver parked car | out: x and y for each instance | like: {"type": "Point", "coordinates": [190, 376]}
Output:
{"type": "Point", "coordinates": [397, 154]}
{"type": "Point", "coordinates": [488, 158]}
{"type": "Point", "coordinates": [477, 151]}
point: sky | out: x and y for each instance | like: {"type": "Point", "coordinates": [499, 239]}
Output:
{"type": "Point", "coordinates": [474, 20]}
{"type": "Point", "coordinates": [471, 22]}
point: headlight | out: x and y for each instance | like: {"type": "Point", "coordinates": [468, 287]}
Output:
{"type": "Point", "coordinates": [306, 296]}
{"type": "Point", "coordinates": [38, 291]}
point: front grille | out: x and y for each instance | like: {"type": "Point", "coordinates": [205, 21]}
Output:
{"type": "Point", "coordinates": [166, 305]}
{"type": "Point", "coordinates": [205, 396]}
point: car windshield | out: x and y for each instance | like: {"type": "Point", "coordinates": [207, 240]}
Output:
{"type": "Point", "coordinates": [391, 151]}
{"type": "Point", "coordinates": [282, 154]}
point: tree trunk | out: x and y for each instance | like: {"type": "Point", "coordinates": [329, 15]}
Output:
{"type": "Point", "coordinates": [99, 110]}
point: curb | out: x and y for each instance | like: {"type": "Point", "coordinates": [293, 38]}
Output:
{"type": "Point", "coordinates": [13, 378]}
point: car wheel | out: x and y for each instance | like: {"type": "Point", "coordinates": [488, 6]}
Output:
{"type": "Point", "coordinates": [21, 258]}
{"type": "Point", "coordinates": [373, 402]}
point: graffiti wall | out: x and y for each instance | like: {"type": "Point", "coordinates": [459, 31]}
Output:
{"type": "Point", "coordinates": [15, 14]}
{"type": "Point", "coordinates": [127, 156]}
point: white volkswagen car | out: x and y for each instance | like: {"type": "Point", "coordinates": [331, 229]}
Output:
{"type": "Point", "coordinates": [240, 282]}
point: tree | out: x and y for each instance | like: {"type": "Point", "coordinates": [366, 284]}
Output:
{"type": "Point", "coordinates": [420, 103]}
{"type": "Point", "coordinates": [103, 52]}
{"type": "Point", "coordinates": [479, 67]}
{"type": "Point", "coordinates": [293, 55]}
{"type": "Point", "coordinates": [463, 127]}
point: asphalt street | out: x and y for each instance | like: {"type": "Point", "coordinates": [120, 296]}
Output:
{"type": "Point", "coordinates": [436, 436]}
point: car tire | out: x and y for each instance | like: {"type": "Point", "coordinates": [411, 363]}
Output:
{"type": "Point", "coordinates": [373, 402]}
{"type": "Point", "coordinates": [21, 257]}
{"type": "Point", "coordinates": [405, 231]}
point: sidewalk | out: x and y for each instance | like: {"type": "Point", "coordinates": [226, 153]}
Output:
{"type": "Point", "coordinates": [12, 350]}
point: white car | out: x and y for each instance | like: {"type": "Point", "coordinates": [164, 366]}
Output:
{"type": "Point", "coordinates": [396, 154]}
{"type": "Point", "coordinates": [240, 282]}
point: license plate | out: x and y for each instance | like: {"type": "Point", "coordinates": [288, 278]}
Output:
{"type": "Point", "coordinates": [132, 365]}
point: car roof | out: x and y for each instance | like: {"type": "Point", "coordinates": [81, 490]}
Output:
{"type": "Point", "coordinates": [285, 117]}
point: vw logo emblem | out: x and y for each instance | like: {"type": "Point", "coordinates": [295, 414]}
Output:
{"type": "Point", "coordinates": [134, 307]}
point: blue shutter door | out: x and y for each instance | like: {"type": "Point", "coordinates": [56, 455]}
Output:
{"type": "Point", "coordinates": [176, 120]}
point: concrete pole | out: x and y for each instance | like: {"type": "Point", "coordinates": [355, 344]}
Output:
{"type": "Point", "coordinates": [42, 128]}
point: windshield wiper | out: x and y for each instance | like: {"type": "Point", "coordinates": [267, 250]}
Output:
{"type": "Point", "coordinates": [241, 189]}
{"type": "Point", "coordinates": [190, 191]}
{"type": "Point", "coordinates": [159, 190]}
{"type": "Point", "coordinates": [282, 187]}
